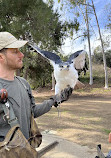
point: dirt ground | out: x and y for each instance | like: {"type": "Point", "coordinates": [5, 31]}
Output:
{"type": "Point", "coordinates": [84, 119]}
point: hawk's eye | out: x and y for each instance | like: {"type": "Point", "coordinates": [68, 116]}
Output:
{"type": "Point", "coordinates": [61, 66]}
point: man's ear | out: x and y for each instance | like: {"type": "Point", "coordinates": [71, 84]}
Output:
{"type": "Point", "coordinates": [1, 57]}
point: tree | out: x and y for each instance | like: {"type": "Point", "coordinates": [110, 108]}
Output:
{"type": "Point", "coordinates": [85, 3]}
{"type": "Point", "coordinates": [77, 4]}
{"type": "Point", "coordinates": [35, 21]}
{"type": "Point", "coordinates": [32, 17]}
{"type": "Point", "coordinates": [98, 58]}
{"type": "Point", "coordinates": [104, 57]}
{"type": "Point", "coordinates": [108, 8]}
{"type": "Point", "coordinates": [89, 44]}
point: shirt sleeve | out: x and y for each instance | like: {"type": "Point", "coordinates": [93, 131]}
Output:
{"type": "Point", "coordinates": [42, 108]}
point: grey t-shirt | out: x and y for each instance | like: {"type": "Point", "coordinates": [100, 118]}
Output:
{"type": "Point", "coordinates": [22, 105]}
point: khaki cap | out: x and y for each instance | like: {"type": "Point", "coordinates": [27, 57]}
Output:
{"type": "Point", "coordinates": [7, 40]}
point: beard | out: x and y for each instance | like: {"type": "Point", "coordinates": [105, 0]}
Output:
{"type": "Point", "coordinates": [15, 65]}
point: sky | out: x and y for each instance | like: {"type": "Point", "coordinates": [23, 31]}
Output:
{"type": "Point", "coordinates": [71, 46]}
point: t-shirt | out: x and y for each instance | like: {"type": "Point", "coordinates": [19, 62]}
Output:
{"type": "Point", "coordinates": [22, 105]}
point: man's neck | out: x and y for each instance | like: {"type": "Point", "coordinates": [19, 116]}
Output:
{"type": "Point", "coordinates": [7, 75]}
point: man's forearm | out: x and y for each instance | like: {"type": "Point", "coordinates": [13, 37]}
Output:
{"type": "Point", "coordinates": [42, 108]}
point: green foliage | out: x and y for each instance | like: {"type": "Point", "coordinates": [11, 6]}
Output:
{"type": "Point", "coordinates": [74, 25]}
{"type": "Point", "coordinates": [108, 8]}
{"type": "Point", "coordinates": [36, 69]}
{"type": "Point", "coordinates": [98, 58]}
{"type": "Point", "coordinates": [35, 21]}
{"type": "Point", "coordinates": [107, 131]}
{"type": "Point", "coordinates": [35, 18]}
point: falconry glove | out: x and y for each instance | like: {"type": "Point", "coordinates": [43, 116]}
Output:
{"type": "Point", "coordinates": [63, 96]}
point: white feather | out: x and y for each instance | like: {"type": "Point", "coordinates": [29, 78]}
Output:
{"type": "Point", "coordinates": [65, 77]}
{"type": "Point", "coordinates": [80, 61]}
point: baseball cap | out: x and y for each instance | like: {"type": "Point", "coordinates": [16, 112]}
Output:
{"type": "Point", "coordinates": [7, 40]}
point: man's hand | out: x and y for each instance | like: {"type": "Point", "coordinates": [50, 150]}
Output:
{"type": "Point", "coordinates": [3, 96]}
{"type": "Point", "coordinates": [63, 96]}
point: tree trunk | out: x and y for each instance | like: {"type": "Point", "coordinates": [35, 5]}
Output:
{"type": "Point", "coordinates": [18, 72]}
{"type": "Point", "coordinates": [89, 45]}
{"type": "Point", "coordinates": [104, 57]}
{"type": "Point", "coordinates": [25, 73]}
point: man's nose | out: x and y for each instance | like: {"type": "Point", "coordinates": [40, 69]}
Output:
{"type": "Point", "coordinates": [21, 54]}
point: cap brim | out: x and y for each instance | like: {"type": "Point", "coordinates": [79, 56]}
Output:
{"type": "Point", "coordinates": [16, 44]}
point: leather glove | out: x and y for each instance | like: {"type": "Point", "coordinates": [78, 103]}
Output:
{"type": "Point", "coordinates": [63, 96]}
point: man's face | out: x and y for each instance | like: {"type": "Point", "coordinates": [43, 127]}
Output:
{"type": "Point", "coordinates": [13, 59]}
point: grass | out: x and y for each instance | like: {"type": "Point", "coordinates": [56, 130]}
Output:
{"type": "Point", "coordinates": [98, 75]}
{"type": "Point", "coordinates": [107, 131]}
{"type": "Point", "coordinates": [98, 80]}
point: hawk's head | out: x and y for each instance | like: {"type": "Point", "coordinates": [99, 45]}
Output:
{"type": "Point", "coordinates": [64, 66]}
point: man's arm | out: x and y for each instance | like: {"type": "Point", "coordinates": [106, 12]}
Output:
{"type": "Point", "coordinates": [42, 108]}
{"type": "Point", "coordinates": [37, 109]}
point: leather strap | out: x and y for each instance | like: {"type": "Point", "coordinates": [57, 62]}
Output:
{"type": "Point", "coordinates": [9, 113]}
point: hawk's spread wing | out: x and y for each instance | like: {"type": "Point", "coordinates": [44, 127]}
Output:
{"type": "Point", "coordinates": [78, 58]}
{"type": "Point", "coordinates": [52, 57]}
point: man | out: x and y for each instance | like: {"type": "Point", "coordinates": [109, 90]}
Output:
{"type": "Point", "coordinates": [11, 59]}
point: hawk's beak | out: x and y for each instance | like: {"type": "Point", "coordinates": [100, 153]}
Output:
{"type": "Point", "coordinates": [66, 67]}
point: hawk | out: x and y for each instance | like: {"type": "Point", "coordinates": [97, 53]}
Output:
{"type": "Point", "coordinates": [65, 73]}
